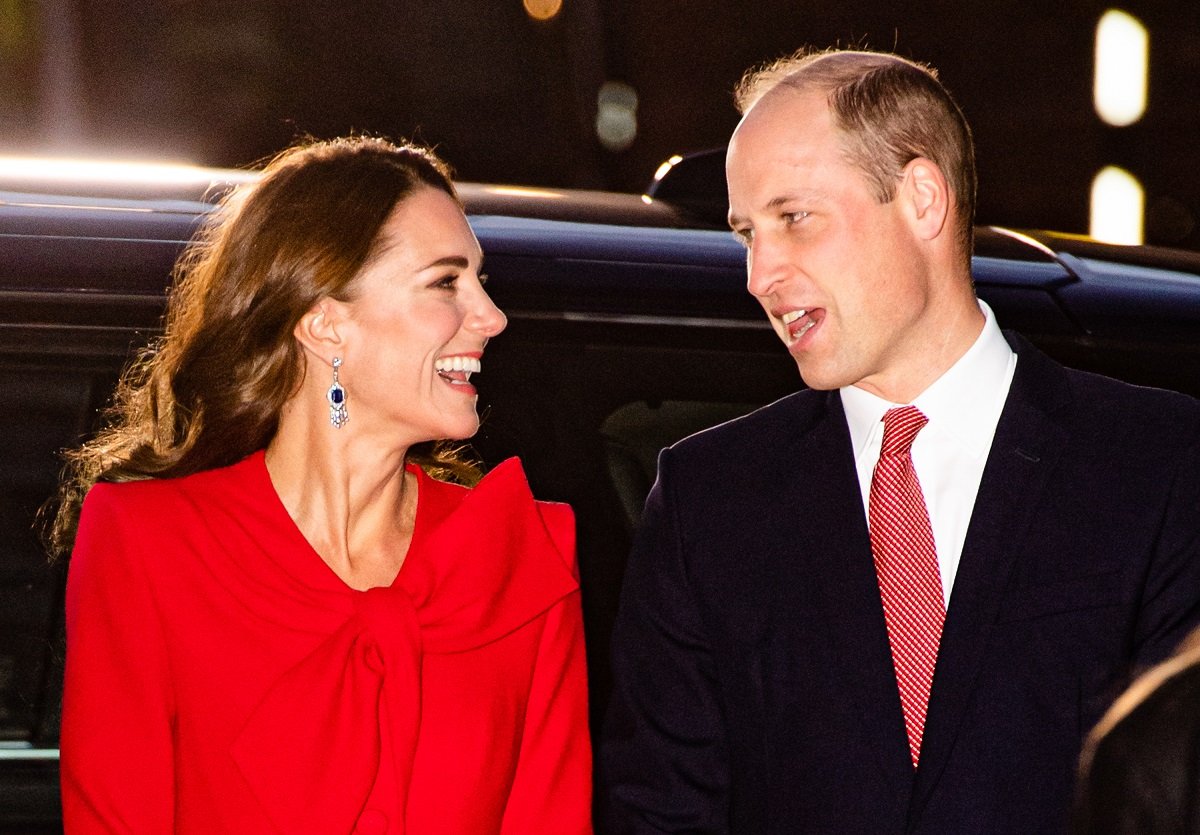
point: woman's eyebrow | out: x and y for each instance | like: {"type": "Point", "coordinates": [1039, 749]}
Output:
{"type": "Point", "coordinates": [448, 261]}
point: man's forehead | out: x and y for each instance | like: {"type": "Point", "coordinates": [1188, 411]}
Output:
{"type": "Point", "coordinates": [791, 96]}
{"type": "Point", "coordinates": [790, 126]}
{"type": "Point", "coordinates": [784, 110]}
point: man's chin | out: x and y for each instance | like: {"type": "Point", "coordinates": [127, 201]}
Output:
{"type": "Point", "coordinates": [814, 379]}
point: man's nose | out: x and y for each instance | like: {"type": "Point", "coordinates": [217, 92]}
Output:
{"type": "Point", "coordinates": [767, 263]}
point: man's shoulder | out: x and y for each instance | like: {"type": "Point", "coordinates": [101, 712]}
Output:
{"type": "Point", "coordinates": [1085, 398]}
{"type": "Point", "coordinates": [1094, 392]}
{"type": "Point", "coordinates": [1099, 389]}
{"type": "Point", "coordinates": [758, 433]}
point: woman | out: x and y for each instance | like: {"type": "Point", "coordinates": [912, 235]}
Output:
{"type": "Point", "coordinates": [277, 619]}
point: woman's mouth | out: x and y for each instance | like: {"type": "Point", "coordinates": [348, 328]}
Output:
{"type": "Point", "coordinates": [457, 370]}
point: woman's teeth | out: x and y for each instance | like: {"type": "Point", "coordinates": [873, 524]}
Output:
{"type": "Point", "coordinates": [471, 365]}
{"type": "Point", "coordinates": [792, 316]}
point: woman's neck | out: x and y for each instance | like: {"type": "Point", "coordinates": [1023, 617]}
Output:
{"type": "Point", "coordinates": [351, 498]}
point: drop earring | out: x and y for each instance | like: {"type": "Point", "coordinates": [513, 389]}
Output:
{"type": "Point", "coordinates": [337, 398]}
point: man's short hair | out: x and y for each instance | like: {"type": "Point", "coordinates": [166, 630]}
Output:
{"type": "Point", "coordinates": [890, 110]}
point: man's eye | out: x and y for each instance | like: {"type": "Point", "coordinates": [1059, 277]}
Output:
{"type": "Point", "coordinates": [794, 217]}
{"type": "Point", "coordinates": [744, 236]}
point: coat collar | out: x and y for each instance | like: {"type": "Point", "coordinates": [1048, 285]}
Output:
{"type": "Point", "coordinates": [845, 571]}
{"type": "Point", "coordinates": [1029, 441]}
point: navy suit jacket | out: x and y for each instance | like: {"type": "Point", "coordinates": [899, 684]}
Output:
{"type": "Point", "coordinates": [754, 684]}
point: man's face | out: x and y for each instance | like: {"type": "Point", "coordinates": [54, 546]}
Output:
{"type": "Point", "coordinates": [841, 276]}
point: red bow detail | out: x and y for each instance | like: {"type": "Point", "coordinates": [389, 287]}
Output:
{"type": "Point", "coordinates": [496, 562]}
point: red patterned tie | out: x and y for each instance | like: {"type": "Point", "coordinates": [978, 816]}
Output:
{"type": "Point", "coordinates": [906, 564]}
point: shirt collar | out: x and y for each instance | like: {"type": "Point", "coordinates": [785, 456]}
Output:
{"type": "Point", "coordinates": [964, 402]}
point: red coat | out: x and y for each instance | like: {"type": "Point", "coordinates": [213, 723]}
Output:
{"type": "Point", "coordinates": [221, 678]}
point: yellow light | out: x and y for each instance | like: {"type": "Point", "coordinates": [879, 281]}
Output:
{"type": "Point", "coordinates": [1118, 202]}
{"type": "Point", "coordinates": [542, 9]}
{"type": "Point", "coordinates": [111, 171]}
{"type": "Point", "coordinates": [1122, 65]}
{"type": "Point", "coordinates": [520, 191]}
{"type": "Point", "coordinates": [667, 166]}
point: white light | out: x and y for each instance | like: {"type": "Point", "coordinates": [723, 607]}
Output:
{"type": "Point", "coordinates": [616, 115]}
{"type": "Point", "coordinates": [667, 166]}
{"type": "Point", "coordinates": [1117, 206]}
{"type": "Point", "coordinates": [111, 171]}
{"type": "Point", "coordinates": [1122, 62]}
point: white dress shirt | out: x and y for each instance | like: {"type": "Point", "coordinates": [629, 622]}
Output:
{"type": "Point", "coordinates": [949, 454]}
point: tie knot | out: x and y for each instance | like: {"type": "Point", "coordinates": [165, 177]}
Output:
{"type": "Point", "coordinates": [900, 428]}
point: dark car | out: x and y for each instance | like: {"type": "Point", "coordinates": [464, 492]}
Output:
{"type": "Point", "coordinates": [629, 327]}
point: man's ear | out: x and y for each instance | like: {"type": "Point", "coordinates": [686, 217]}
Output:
{"type": "Point", "coordinates": [927, 197]}
{"type": "Point", "coordinates": [318, 330]}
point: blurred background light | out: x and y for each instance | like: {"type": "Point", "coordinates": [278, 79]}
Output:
{"type": "Point", "coordinates": [523, 191]}
{"type": "Point", "coordinates": [516, 101]}
{"type": "Point", "coordinates": [667, 166]}
{"type": "Point", "coordinates": [1117, 207]}
{"type": "Point", "coordinates": [1122, 66]}
{"type": "Point", "coordinates": [616, 115]}
{"type": "Point", "coordinates": [15, 169]}
{"type": "Point", "coordinates": [542, 9]}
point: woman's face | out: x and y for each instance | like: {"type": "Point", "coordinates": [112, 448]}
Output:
{"type": "Point", "coordinates": [417, 325]}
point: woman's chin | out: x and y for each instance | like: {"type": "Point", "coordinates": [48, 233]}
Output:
{"type": "Point", "coordinates": [462, 431]}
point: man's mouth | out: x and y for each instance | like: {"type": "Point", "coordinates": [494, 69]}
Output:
{"type": "Point", "coordinates": [457, 370]}
{"type": "Point", "coordinates": [797, 323]}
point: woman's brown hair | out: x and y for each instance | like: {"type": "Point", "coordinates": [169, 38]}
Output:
{"type": "Point", "coordinates": [210, 390]}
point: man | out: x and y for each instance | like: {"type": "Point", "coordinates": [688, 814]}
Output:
{"type": "Point", "coordinates": [830, 627]}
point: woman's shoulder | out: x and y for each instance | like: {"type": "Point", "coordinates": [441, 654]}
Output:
{"type": "Point", "coordinates": [502, 497]}
{"type": "Point", "coordinates": [495, 555]}
{"type": "Point", "coordinates": [504, 484]}
{"type": "Point", "coordinates": [142, 521]}
{"type": "Point", "coordinates": [164, 495]}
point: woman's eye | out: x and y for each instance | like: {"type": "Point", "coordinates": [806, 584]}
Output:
{"type": "Point", "coordinates": [446, 282]}
{"type": "Point", "coordinates": [483, 278]}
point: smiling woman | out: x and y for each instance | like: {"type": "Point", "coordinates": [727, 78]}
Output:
{"type": "Point", "coordinates": [414, 328]}
{"type": "Point", "coordinates": [400, 652]}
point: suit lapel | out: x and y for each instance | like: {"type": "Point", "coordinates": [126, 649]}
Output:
{"type": "Point", "coordinates": [1024, 452]}
{"type": "Point", "coordinates": [842, 569]}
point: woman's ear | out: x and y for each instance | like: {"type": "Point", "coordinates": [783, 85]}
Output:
{"type": "Point", "coordinates": [318, 330]}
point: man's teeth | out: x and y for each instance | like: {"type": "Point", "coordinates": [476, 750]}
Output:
{"type": "Point", "coordinates": [468, 364]}
{"type": "Point", "coordinates": [792, 316]}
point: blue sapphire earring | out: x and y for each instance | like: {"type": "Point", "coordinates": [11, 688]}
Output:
{"type": "Point", "coordinates": [337, 398]}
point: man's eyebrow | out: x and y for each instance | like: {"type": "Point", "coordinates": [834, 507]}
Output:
{"type": "Point", "coordinates": [798, 194]}
{"type": "Point", "coordinates": [775, 202]}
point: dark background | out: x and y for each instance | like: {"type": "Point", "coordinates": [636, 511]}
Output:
{"type": "Point", "coordinates": [507, 98]}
